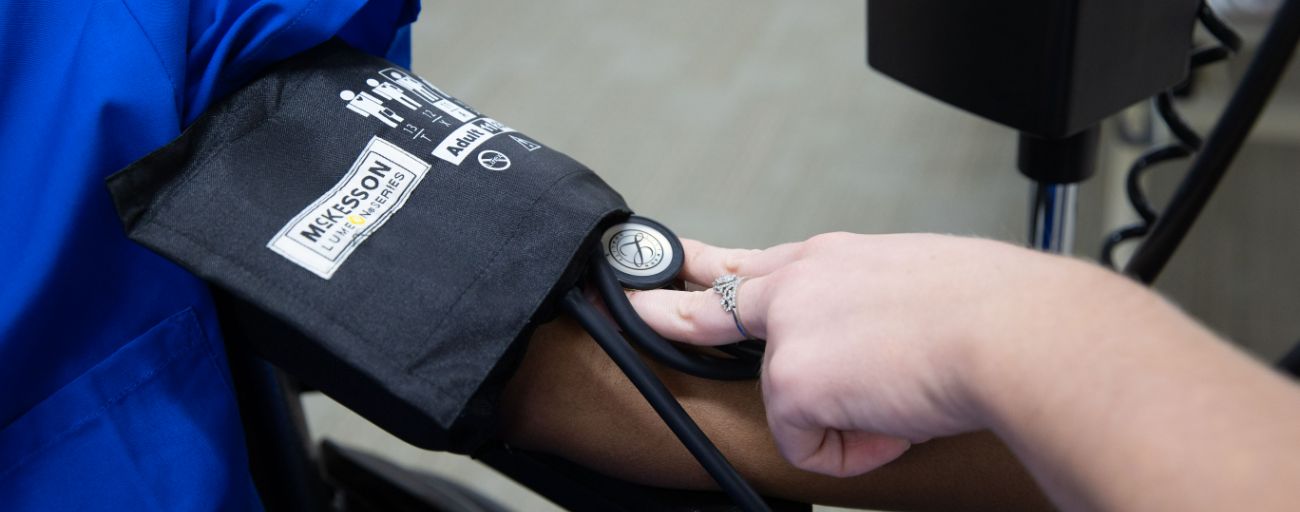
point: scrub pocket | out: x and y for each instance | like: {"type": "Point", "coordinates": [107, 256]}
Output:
{"type": "Point", "coordinates": [148, 428]}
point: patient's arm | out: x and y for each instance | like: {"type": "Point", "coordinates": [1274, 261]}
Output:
{"type": "Point", "coordinates": [569, 399]}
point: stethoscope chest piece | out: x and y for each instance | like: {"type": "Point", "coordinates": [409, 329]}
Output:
{"type": "Point", "coordinates": [645, 254]}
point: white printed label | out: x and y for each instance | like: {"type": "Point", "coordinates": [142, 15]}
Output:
{"type": "Point", "coordinates": [462, 142]}
{"type": "Point", "coordinates": [527, 144]}
{"type": "Point", "coordinates": [322, 236]}
{"type": "Point", "coordinates": [453, 110]}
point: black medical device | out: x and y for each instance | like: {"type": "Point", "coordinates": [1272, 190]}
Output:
{"type": "Point", "coordinates": [1053, 69]}
{"type": "Point", "coordinates": [1050, 69]}
{"type": "Point", "coordinates": [394, 248]}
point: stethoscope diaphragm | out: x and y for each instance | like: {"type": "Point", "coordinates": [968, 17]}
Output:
{"type": "Point", "coordinates": [645, 254]}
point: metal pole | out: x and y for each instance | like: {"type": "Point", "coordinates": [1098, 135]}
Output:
{"type": "Point", "coordinates": [1051, 217]}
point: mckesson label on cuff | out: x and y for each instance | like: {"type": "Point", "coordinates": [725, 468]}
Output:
{"type": "Point", "coordinates": [464, 140]}
{"type": "Point", "coordinates": [321, 237]}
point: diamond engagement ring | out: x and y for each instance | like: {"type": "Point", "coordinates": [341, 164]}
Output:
{"type": "Point", "coordinates": [726, 286]}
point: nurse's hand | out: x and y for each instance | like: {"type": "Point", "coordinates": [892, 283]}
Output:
{"type": "Point", "coordinates": [866, 335]}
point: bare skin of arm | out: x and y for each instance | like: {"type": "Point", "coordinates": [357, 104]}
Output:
{"type": "Point", "coordinates": [1149, 412]}
{"type": "Point", "coordinates": [570, 400]}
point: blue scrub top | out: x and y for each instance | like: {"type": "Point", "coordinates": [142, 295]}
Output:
{"type": "Point", "coordinates": [114, 391]}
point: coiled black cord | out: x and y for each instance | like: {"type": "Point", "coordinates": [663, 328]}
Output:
{"type": "Point", "coordinates": [1186, 141]}
{"type": "Point", "coordinates": [1220, 30]}
{"type": "Point", "coordinates": [1229, 134]}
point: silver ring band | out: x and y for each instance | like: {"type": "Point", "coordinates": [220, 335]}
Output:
{"type": "Point", "coordinates": [727, 286]}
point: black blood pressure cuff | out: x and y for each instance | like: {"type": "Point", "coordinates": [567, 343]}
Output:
{"type": "Point", "coordinates": [399, 244]}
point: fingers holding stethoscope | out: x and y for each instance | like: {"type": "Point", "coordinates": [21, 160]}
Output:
{"type": "Point", "coordinates": [698, 316]}
{"type": "Point", "coordinates": [704, 262]}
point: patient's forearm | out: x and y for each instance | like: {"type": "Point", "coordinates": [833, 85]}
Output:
{"type": "Point", "coordinates": [569, 399]}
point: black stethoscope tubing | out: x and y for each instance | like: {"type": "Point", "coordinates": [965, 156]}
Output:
{"type": "Point", "coordinates": [744, 367]}
{"type": "Point", "coordinates": [663, 402]}
{"type": "Point", "coordinates": [743, 364]}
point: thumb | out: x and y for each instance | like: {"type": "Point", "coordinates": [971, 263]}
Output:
{"type": "Point", "coordinates": [838, 453]}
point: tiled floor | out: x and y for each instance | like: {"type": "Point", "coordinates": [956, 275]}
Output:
{"type": "Point", "coordinates": [749, 123]}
